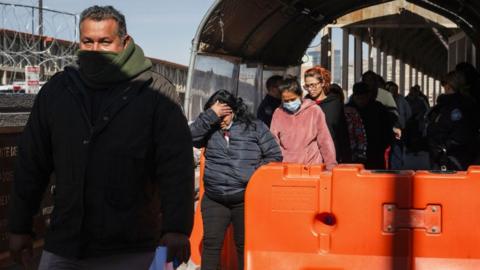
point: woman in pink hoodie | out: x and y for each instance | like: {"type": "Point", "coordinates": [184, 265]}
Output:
{"type": "Point", "coordinates": [300, 128]}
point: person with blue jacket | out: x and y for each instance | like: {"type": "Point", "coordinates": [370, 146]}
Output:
{"type": "Point", "coordinates": [236, 145]}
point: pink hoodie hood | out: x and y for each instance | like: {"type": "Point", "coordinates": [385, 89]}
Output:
{"type": "Point", "coordinates": [303, 136]}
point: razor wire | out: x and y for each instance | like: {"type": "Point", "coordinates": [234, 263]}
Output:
{"type": "Point", "coordinates": [23, 42]}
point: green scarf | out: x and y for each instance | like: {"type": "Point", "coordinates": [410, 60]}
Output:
{"type": "Point", "coordinates": [100, 69]}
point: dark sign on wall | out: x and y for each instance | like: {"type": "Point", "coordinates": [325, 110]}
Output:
{"type": "Point", "coordinates": [8, 153]}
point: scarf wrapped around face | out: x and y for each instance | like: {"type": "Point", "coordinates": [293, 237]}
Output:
{"type": "Point", "coordinates": [102, 69]}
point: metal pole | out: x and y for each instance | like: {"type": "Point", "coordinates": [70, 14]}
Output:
{"type": "Point", "coordinates": [357, 56]}
{"type": "Point", "coordinates": [410, 76]}
{"type": "Point", "coordinates": [193, 55]}
{"type": "Point", "coordinates": [427, 90]}
{"type": "Point", "coordinates": [394, 70]}
{"type": "Point", "coordinates": [40, 35]}
{"type": "Point", "coordinates": [402, 78]}
{"type": "Point", "coordinates": [326, 48]}
{"type": "Point", "coordinates": [370, 58]}
{"type": "Point", "coordinates": [423, 83]}
{"type": "Point", "coordinates": [384, 65]}
{"type": "Point", "coordinates": [40, 18]}
{"type": "Point", "coordinates": [378, 54]}
{"type": "Point", "coordinates": [416, 76]}
{"type": "Point", "coordinates": [33, 21]}
{"type": "Point", "coordinates": [345, 48]}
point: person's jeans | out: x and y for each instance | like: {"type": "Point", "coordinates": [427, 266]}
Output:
{"type": "Point", "coordinates": [216, 218]}
{"type": "Point", "coordinates": [397, 155]}
{"type": "Point", "coordinates": [140, 261]}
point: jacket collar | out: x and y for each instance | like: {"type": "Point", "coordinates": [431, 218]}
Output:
{"type": "Point", "coordinates": [127, 92]}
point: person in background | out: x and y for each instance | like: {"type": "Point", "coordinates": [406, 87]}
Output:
{"type": "Point", "coordinates": [376, 85]}
{"type": "Point", "coordinates": [403, 107]}
{"type": "Point", "coordinates": [271, 101]}
{"type": "Point", "coordinates": [236, 145]}
{"type": "Point", "coordinates": [472, 80]}
{"type": "Point", "coordinates": [356, 130]}
{"type": "Point", "coordinates": [397, 152]}
{"type": "Point", "coordinates": [415, 126]}
{"type": "Point", "coordinates": [121, 152]}
{"type": "Point", "coordinates": [378, 123]}
{"type": "Point", "coordinates": [422, 96]}
{"type": "Point", "coordinates": [472, 89]}
{"type": "Point", "coordinates": [317, 83]}
{"type": "Point", "coordinates": [451, 131]}
{"type": "Point", "coordinates": [300, 128]}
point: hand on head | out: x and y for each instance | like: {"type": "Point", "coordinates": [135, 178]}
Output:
{"type": "Point", "coordinates": [221, 109]}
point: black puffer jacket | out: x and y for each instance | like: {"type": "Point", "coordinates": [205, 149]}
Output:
{"type": "Point", "coordinates": [229, 166]}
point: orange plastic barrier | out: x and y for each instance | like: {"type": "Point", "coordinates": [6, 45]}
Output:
{"type": "Point", "coordinates": [303, 218]}
{"type": "Point", "coordinates": [456, 243]}
{"type": "Point", "coordinates": [229, 253]}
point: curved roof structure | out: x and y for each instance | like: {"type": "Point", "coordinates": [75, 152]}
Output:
{"type": "Point", "coordinates": [277, 32]}
{"type": "Point", "coordinates": [410, 37]}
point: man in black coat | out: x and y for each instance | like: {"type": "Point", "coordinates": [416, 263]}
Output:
{"type": "Point", "coordinates": [120, 150]}
{"type": "Point", "coordinates": [378, 123]}
{"type": "Point", "coordinates": [451, 128]}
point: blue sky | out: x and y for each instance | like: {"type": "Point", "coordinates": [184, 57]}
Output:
{"type": "Point", "coordinates": [163, 28]}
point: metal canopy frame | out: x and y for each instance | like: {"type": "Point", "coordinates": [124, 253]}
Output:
{"type": "Point", "coordinates": [277, 32]}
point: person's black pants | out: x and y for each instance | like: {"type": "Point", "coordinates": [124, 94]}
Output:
{"type": "Point", "coordinates": [216, 218]}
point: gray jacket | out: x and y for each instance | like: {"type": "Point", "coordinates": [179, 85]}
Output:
{"type": "Point", "coordinates": [229, 165]}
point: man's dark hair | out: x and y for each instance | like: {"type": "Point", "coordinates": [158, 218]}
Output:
{"type": "Point", "coordinates": [372, 80]}
{"type": "Point", "coordinates": [360, 88]}
{"type": "Point", "coordinates": [369, 75]}
{"type": "Point", "coordinates": [380, 82]}
{"type": "Point", "coordinates": [456, 80]}
{"type": "Point", "coordinates": [100, 13]}
{"type": "Point", "coordinates": [273, 81]}
{"type": "Point", "coordinates": [391, 87]}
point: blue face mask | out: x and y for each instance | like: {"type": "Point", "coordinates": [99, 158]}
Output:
{"type": "Point", "coordinates": [292, 106]}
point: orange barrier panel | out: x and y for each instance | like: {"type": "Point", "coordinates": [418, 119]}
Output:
{"type": "Point", "coordinates": [303, 218]}
{"type": "Point", "coordinates": [456, 243]}
{"type": "Point", "coordinates": [197, 232]}
{"type": "Point", "coordinates": [229, 253]}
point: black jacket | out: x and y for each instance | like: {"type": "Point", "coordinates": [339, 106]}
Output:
{"type": "Point", "coordinates": [229, 166]}
{"type": "Point", "coordinates": [267, 107]}
{"type": "Point", "coordinates": [333, 108]}
{"type": "Point", "coordinates": [378, 122]}
{"type": "Point", "coordinates": [120, 183]}
{"type": "Point", "coordinates": [451, 132]}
